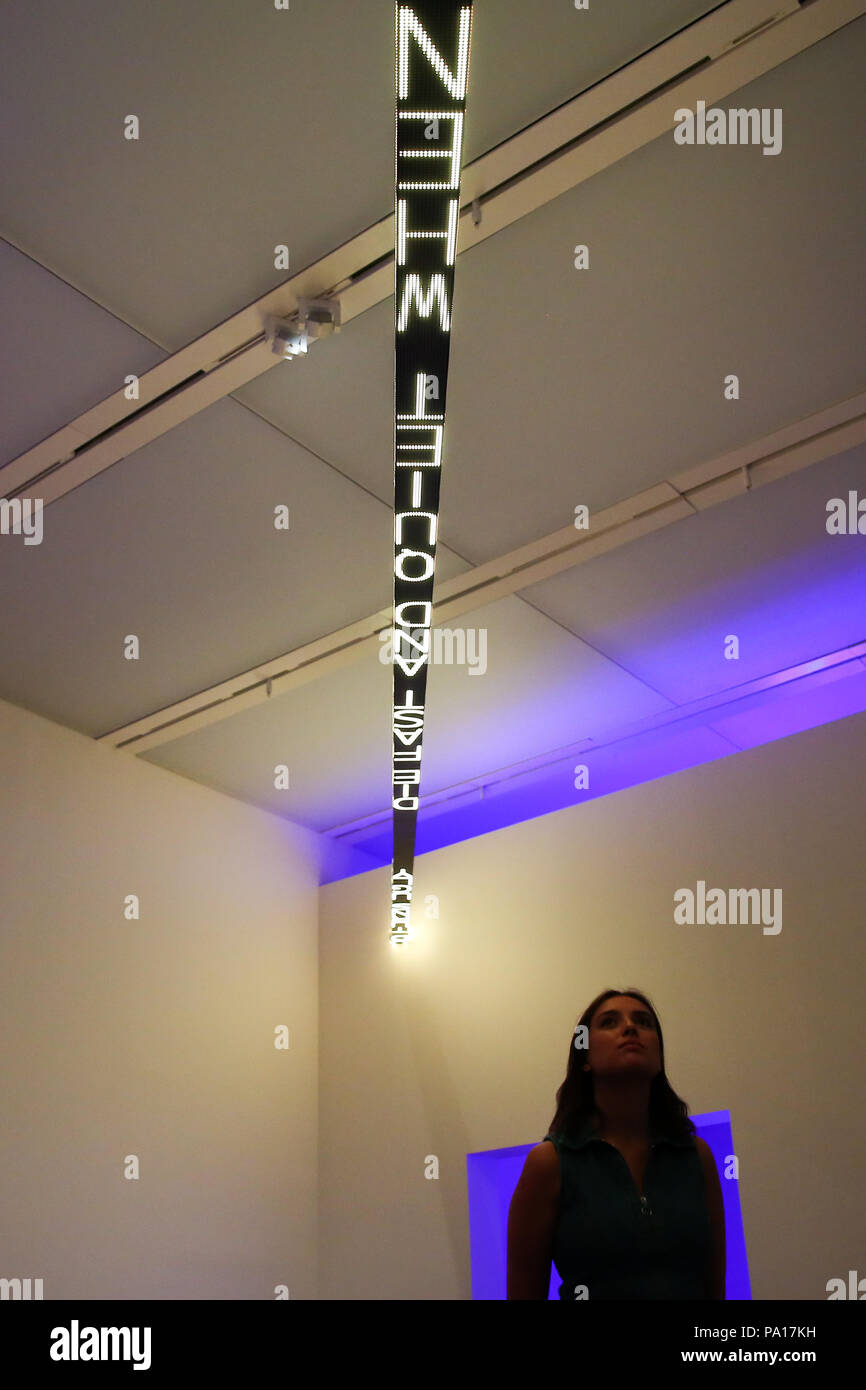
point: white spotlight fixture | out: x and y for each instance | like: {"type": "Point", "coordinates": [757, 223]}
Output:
{"type": "Point", "coordinates": [313, 319]}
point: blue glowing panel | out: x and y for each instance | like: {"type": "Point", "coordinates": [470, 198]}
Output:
{"type": "Point", "coordinates": [491, 1178]}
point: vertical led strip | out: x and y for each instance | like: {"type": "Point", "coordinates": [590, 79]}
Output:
{"type": "Point", "coordinates": [432, 73]}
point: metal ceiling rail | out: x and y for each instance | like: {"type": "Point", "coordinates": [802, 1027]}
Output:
{"type": "Point", "coordinates": [685, 494]}
{"type": "Point", "coordinates": [718, 54]}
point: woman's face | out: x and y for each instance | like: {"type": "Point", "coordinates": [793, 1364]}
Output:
{"type": "Point", "coordinates": [623, 1038]}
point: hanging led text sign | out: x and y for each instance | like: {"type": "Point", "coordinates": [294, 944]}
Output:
{"type": "Point", "coordinates": [433, 40]}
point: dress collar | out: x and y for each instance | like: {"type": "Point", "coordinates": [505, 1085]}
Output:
{"type": "Point", "coordinates": [587, 1133]}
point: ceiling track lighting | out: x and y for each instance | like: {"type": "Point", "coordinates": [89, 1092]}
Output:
{"type": "Point", "coordinates": [313, 319]}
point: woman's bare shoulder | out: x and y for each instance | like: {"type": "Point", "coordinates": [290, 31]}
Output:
{"type": "Point", "coordinates": [544, 1159]}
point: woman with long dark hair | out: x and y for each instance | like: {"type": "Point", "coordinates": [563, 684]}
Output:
{"type": "Point", "coordinates": [621, 1194]}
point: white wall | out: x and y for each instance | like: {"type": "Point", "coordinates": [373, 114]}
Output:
{"type": "Point", "coordinates": [152, 1037]}
{"type": "Point", "coordinates": [155, 1037]}
{"type": "Point", "coordinates": [460, 1044]}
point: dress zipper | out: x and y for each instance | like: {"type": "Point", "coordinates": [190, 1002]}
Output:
{"type": "Point", "coordinates": [646, 1209]}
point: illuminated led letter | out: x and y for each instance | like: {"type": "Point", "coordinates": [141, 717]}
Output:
{"type": "Point", "coordinates": [413, 291]}
{"type": "Point", "coordinates": [453, 154]}
{"type": "Point", "coordinates": [426, 609]}
{"type": "Point", "coordinates": [429, 566]}
{"type": "Point", "coordinates": [449, 234]}
{"type": "Point", "coordinates": [409, 23]}
{"type": "Point", "coordinates": [398, 525]}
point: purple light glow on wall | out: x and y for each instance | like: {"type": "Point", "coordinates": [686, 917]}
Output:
{"type": "Point", "coordinates": [492, 1176]}
{"type": "Point", "coordinates": [790, 702]}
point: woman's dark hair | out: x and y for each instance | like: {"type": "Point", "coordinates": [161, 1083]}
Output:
{"type": "Point", "coordinates": [575, 1099]}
